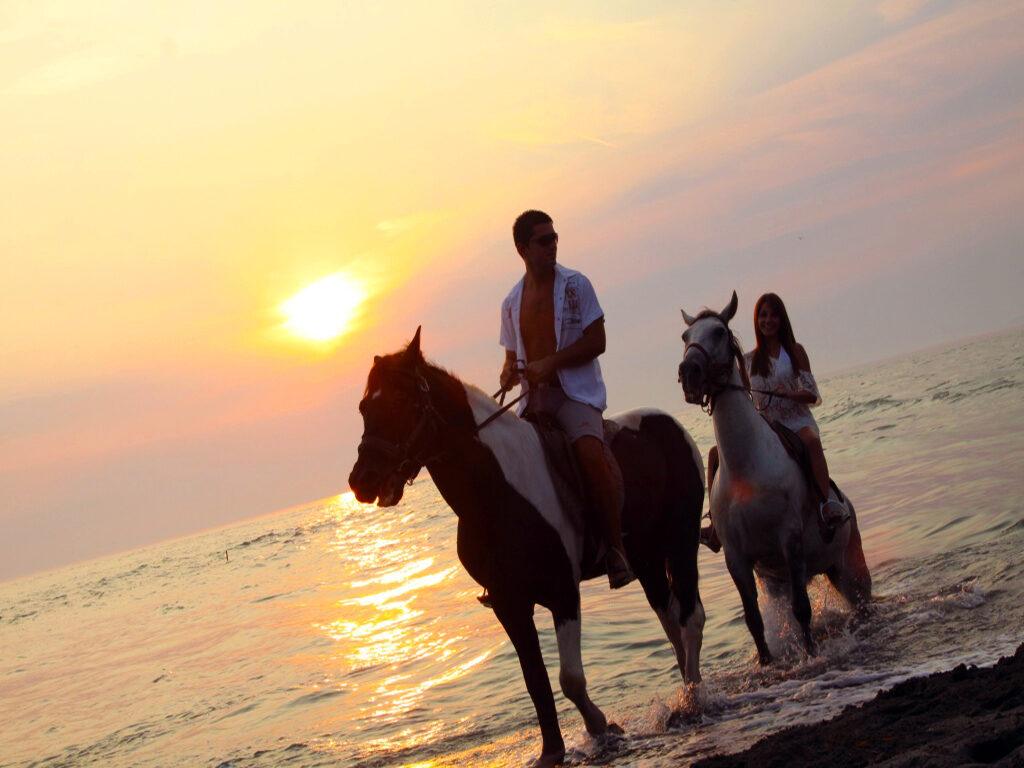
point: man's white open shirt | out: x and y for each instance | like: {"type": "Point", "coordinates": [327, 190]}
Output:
{"type": "Point", "coordinates": [576, 307]}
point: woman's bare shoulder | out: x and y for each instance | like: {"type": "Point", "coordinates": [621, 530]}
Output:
{"type": "Point", "coordinates": [800, 354]}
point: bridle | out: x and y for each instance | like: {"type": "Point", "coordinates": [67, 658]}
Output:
{"type": "Point", "coordinates": [718, 373]}
{"type": "Point", "coordinates": [410, 461]}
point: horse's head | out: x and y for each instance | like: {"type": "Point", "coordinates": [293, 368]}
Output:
{"type": "Point", "coordinates": [397, 412]}
{"type": "Point", "coordinates": [709, 352]}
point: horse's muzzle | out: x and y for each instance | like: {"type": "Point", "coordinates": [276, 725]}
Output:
{"type": "Point", "coordinates": [692, 377]}
{"type": "Point", "coordinates": [364, 483]}
{"type": "Point", "coordinates": [369, 484]}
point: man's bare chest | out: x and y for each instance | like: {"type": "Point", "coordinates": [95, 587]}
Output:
{"type": "Point", "coordinates": [537, 302]}
{"type": "Point", "coordinates": [537, 317]}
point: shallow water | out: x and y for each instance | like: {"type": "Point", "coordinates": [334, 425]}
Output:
{"type": "Point", "coordinates": [343, 635]}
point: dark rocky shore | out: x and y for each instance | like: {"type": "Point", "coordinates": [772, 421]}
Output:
{"type": "Point", "coordinates": [967, 716]}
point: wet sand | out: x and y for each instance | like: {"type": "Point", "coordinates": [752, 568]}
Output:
{"type": "Point", "coordinates": [966, 716]}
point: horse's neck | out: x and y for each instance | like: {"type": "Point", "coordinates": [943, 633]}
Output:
{"type": "Point", "coordinates": [736, 422]}
{"type": "Point", "coordinates": [509, 426]}
{"type": "Point", "coordinates": [505, 438]}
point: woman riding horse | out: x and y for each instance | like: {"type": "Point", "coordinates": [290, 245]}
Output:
{"type": "Point", "coordinates": [784, 390]}
{"type": "Point", "coordinates": [762, 505]}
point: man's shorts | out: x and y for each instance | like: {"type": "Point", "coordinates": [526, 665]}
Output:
{"type": "Point", "coordinates": [575, 418]}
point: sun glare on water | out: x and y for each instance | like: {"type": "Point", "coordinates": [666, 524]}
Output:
{"type": "Point", "coordinates": [324, 310]}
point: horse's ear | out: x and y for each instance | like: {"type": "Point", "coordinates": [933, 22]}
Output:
{"type": "Point", "coordinates": [730, 311]}
{"type": "Point", "coordinates": [689, 320]}
{"type": "Point", "coordinates": [377, 359]}
{"type": "Point", "coordinates": [412, 352]}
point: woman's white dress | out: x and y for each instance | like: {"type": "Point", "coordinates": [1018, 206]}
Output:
{"type": "Point", "coordinates": [788, 412]}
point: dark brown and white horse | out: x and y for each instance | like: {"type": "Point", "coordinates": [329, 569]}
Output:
{"type": "Point", "coordinates": [515, 538]}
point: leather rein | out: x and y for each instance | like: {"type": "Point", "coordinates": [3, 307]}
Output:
{"type": "Point", "coordinates": [718, 374]}
{"type": "Point", "coordinates": [409, 463]}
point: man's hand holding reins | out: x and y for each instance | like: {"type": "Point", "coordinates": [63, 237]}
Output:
{"type": "Point", "coordinates": [510, 374]}
{"type": "Point", "coordinates": [541, 370]}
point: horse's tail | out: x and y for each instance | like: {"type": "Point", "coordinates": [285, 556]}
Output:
{"type": "Point", "coordinates": [856, 564]}
{"type": "Point", "coordinates": [682, 502]}
{"type": "Point", "coordinates": [683, 529]}
{"type": "Point", "coordinates": [683, 522]}
{"type": "Point", "coordinates": [674, 593]}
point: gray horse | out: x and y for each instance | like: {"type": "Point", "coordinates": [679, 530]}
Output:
{"type": "Point", "coordinates": [761, 504]}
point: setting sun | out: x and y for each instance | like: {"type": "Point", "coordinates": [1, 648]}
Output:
{"type": "Point", "coordinates": [324, 310]}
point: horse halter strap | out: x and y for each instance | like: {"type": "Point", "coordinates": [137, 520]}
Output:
{"type": "Point", "coordinates": [408, 464]}
{"type": "Point", "coordinates": [718, 374]}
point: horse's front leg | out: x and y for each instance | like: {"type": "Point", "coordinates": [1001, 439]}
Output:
{"type": "Point", "coordinates": [798, 589]}
{"type": "Point", "coordinates": [517, 619]}
{"type": "Point", "coordinates": [571, 676]}
{"type": "Point", "coordinates": [742, 574]}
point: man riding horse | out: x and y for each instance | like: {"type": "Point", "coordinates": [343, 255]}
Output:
{"type": "Point", "coordinates": [551, 321]}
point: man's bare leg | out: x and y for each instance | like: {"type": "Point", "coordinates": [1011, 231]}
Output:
{"type": "Point", "coordinates": [604, 495]}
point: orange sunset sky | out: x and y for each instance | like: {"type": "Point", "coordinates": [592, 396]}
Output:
{"type": "Point", "coordinates": [176, 172]}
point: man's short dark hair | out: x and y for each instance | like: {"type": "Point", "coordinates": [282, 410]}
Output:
{"type": "Point", "coordinates": [522, 230]}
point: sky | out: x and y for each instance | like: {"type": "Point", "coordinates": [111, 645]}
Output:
{"type": "Point", "coordinates": [175, 172]}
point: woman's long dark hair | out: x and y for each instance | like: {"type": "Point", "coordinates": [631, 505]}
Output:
{"type": "Point", "coordinates": [759, 361]}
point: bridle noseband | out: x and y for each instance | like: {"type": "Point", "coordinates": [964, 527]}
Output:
{"type": "Point", "coordinates": [718, 373]}
{"type": "Point", "coordinates": [408, 462]}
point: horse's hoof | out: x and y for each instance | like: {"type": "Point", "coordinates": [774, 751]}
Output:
{"type": "Point", "coordinates": [616, 729]}
{"type": "Point", "coordinates": [551, 760]}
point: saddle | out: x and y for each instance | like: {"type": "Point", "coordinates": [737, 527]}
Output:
{"type": "Point", "coordinates": [798, 452]}
{"type": "Point", "coordinates": [571, 488]}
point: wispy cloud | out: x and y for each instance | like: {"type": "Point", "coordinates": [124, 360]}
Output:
{"type": "Point", "coordinates": [68, 73]}
{"type": "Point", "coordinates": [896, 11]}
{"type": "Point", "coordinates": [685, 149]}
{"type": "Point", "coordinates": [401, 225]}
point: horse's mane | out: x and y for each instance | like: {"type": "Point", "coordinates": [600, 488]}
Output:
{"type": "Point", "coordinates": [393, 362]}
{"type": "Point", "coordinates": [474, 393]}
{"type": "Point", "coordinates": [508, 416]}
{"type": "Point", "coordinates": [710, 313]}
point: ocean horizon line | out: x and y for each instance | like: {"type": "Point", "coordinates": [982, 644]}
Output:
{"type": "Point", "coordinates": [5, 579]}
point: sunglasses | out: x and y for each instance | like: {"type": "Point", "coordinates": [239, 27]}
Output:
{"type": "Point", "coordinates": [548, 239]}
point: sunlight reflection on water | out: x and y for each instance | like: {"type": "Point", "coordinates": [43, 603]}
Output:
{"type": "Point", "coordinates": [386, 649]}
{"type": "Point", "coordinates": [342, 634]}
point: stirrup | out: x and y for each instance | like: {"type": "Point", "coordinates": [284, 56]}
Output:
{"type": "Point", "coordinates": [623, 574]}
{"type": "Point", "coordinates": [485, 599]}
{"type": "Point", "coordinates": [837, 519]}
{"type": "Point", "coordinates": [709, 538]}
{"type": "Point", "coordinates": [830, 523]}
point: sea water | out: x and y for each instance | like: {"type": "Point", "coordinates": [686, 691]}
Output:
{"type": "Point", "coordinates": [338, 634]}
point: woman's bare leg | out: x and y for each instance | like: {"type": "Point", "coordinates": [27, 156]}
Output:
{"type": "Point", "coordinates": [833, 513]}
{"type": "Point", "coordinates": [815, 452]}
